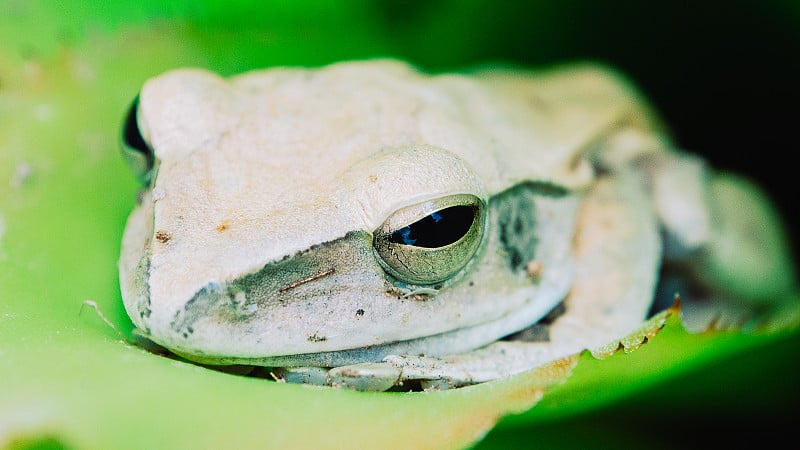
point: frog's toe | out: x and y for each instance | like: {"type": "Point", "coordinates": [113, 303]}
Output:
{"type": "Point", "coordinates": [303, 375]}
{"type": "Point", "coordinates": [494, 361]}
{"type": "Point", "coordinates": [373, 377]}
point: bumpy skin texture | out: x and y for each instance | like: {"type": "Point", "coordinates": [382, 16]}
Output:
{"type": "Point", "coordinates": [253, 242]}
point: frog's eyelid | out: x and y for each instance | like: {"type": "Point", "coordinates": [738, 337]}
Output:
{"type": "Point", "coordinates": [135, 149]}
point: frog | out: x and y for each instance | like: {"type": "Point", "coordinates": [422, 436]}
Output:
{"type": "Point", "coordinates": [370, 225]}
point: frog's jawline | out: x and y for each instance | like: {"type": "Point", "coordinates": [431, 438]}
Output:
{"type": "Point", "coordinates": [364, 354]}
{"type": "Point", "coordinates": [354, 356]}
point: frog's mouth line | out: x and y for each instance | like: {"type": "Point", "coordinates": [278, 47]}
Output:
{"type": "Point", "coordinates": [450, 342]}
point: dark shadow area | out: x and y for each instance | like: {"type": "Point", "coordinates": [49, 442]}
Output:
{"type": "Point", "coordinates": [742, 402]}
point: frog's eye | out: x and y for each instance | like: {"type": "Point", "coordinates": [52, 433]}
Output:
{"type": "Point", "coordinates": [135, 150]}
{"type": "Point", "coordinates": [431, 241]}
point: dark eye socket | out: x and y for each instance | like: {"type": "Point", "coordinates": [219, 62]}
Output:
{"type": "Point", "coordinates": [438, 229]}
{"type": "Point", "coordinates": [135, 149]}
{"type": "Point", "coordinates": [131, 136]}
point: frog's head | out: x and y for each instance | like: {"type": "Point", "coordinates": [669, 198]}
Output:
{"type": "Point", "coordinates": [328, 217]}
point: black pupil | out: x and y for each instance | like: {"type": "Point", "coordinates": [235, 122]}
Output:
{"type": "Point", "coordinates": [437, 229]}
{"type": "Point", "coordinates": [130, 130]}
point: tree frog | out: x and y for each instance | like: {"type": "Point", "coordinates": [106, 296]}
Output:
{"type": "Point", "coordinates": [368, 225]}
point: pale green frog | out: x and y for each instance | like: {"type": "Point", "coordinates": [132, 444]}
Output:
{"type": "Point", "coordinates": [368, 225]}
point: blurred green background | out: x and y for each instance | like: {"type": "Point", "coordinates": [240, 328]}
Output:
{"type": "Point", "coordinates": [723, 74]}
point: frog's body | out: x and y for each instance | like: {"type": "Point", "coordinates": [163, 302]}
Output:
{"type": "Point", "coordinates": [268, 234]}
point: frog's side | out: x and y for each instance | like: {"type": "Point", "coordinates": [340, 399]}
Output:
{"type": "Point", "coordinates": [257, 242]}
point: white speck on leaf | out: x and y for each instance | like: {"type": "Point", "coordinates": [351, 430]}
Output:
{"type": "Point", "coordinates": [44, 112]}
{"type": "Point", "coordinates": [83, 71]}
{"type": "Point", "coordinates": [2, 233]}
{"type": "Point", "coordinates": [21, 175]}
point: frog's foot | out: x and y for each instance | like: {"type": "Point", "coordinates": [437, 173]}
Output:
{"type": "Point", "coordinates": [407, 372]}
{"type": "Point", "coordinates": [704, 315]}
{"type": "Point", "coordinates": [371, 377]}
{"type": "Point", "coordinates": [746, 257]}
{"type": "Point", "coordinates": [497, 360]}
{"type": "Point", "coordinates": [725, 249]}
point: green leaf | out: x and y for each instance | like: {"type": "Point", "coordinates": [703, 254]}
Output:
{"type": "Point", "coordinates": [67, 379]}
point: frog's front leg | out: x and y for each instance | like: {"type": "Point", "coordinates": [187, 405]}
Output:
{"type": "Point", "coordinates": [725, 250]}
{"type": "Point", "coordinates": [746, 255]}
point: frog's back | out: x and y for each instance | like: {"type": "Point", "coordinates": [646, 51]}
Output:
{"type": "Point", "coordinates": [508, 124]}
